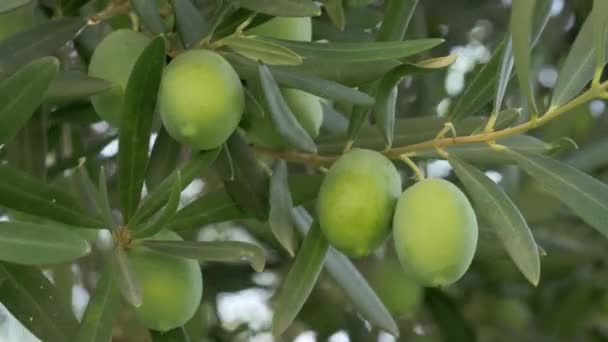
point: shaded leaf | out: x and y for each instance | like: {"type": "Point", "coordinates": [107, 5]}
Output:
{"type": "Point", "coordinates": [190, 23]}
{"type": "Point", "coordinates": [29, 195]}
{"type": "Point", "coordinates": [248, 185]}
{"type": "Point", "coordinates": [281, 218]}
{"type": "Point", "coordinates": [136, 124]}
{"type": "Point", "coordinates": [158, 222]}
{"type": "Point", "coordinates": [190, 170]}
{"type": "Point", "coordinates": [346, 275]}
{"type": "Point", "coordinates": [396, 19]}
{"type": "Point", "coordinates": [163, 159]}
{"type": "Point", "coordinates": [22, 93]}
{"type": "Point", "coordinates": [585, 195]}
{"type": "Point", "coordinates": [335, 12]}
{"type": "Point", "coordinates": [445, 312]}
{"type": "Point", "coordinates": [300, 280]}
{"type": "Point", "coordinates": [358, 52]}
{"type": "Point", "coordinates": [69, 86]}
{"type": "Point", "coordinates": [589, 157]}
{"type": "Point", "coordinates": [497, 208]}
{"type": "Point", "coordinates": [149, 15]}
{"type": "Point", "coordinates": [125, 278]}
{"type": "Point", "coordinates": [27, 150]}
{"type": "Point", "coordinates": [600, 20]}
{"type": "Point", "coordinates": [522, 12]}
{"type": "Point", "coordinates": [281, 8]}
{"type": "Point", "coordinates": [210, 208]}
{"type": "Point", "coordinates": [9, 5]}
{"type": "Point", "coordinates": [262, 50]}
{"type": "Point", "coordinates": [40, 244]}
{"type": "Point", "coordinates": [104, 204]}
{"type": "Point", "coordinates": [35, 302]}
{"type": "Point", "coordinates": [42, 40]}
{"type": "Point", "coordinates": [72, 6]}
{"type": "Point", "coordinates": [214, 251]}
{"type": "Point", "coordinates": [283, 118]}
{"type": "Point", "coordinates": [101, 311]}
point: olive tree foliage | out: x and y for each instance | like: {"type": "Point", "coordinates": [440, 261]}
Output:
{"type": "Point", "coordinates": [378, 70]}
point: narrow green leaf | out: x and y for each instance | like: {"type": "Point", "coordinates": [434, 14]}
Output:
{"type": "Point", "coordinates": [358, 52]}
{"type": "Point", "coordinates": [72, 6]}
{"type": "Point", "coordinates": [249, 183]}
{"type": "Point", "coordinates": [504, 76]}
{"type": "Point", "coordinates": [125, 278]}
{"type": "Point", "coordinates": [579, 67]}
{"type": "Point", "coordinates": [261, 50]}
{"type": "Point", "coordinates": [42, 40]}
{"type": "Point", "coordinates": [163, 159]}
{"type": "Point", "coordinates": [72, 85]}
{"type": "Point", "coordinates": [27, 150]}
{"type": "Point", "coordinates": [497, 208]}
{"type": "Point", "coordinates": [346, 275]}
{"type": "Point", "coordinates": [210, 208]}
{"type": "Point", "coordinates": [40, 244]}
{"type": "Point", "coordinates": [600, 25]}
{"type": "Point", "coordinates": [445, 312]}
{"type": "Point", "coordinates": [29, 195]}
{"type": "Point", "coordinates": [283, 118]}
{"type": "Point", "coordinates": [22, 93]}
{"type": "Point", "coordinates": [104, 205]}
{"type": "Point", "coordinates": [36, 303]}
{"type": "Point", "coordinates": [521, 31]}
{"type": "Point", "coordinates": [163, 217]}
{"type": "Point", "coordinates": [149, 15]}
{"type": "Point", "coordinates": [585, 195]}
{"type": "Point", "coordinates": [300, 280]}
{"type": "Point", "coordinates": [335, 12]}
{"type": "Point", "coordinates": [136, 125]}
{"type": "Point", "coordinates": [281, 8]}
{"type": "Point", "coordinates": [101, 311]}
{"type": "Point", "coordinates": [589, 157]}
{"type": "Point", "coordinates": [311, 84]}
{"type": "Point", "coordinates": [215, 251]}
{"type": "Point", "coordinates": [396, 19]}
{"type": "Point", "coordinates": [10, 5]}
{"type": "Point", "coordinates": [89, 194]}
{"type": "Point", "coordinates": [190, 23]}
{"type": "Point", "coordinates": [157, 198]}
{"type": "Point", "coordinates": [281, 219]}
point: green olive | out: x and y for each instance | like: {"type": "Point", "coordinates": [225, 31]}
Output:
{"type": "Point", "coordinates": [285, 28]}
{"type": "Point", "coordinates": [356, 201]}
{"type": "Point", "coordinates": [113, 60]}
{"type": "Point", "coordinates": [399, 292]}
{"type": "Point", "coordinates": [201, 99]}
{"type": "Point", "coordinates": [435, 231]}
{"type": "Point", "coordinates": [171, 287]}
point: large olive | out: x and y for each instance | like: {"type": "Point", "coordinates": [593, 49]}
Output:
{"type": "Point", "coordinates": [171, 286]}
{"type": "Point", "coordinates": [435, 232]}
{"type": "Point", "coordinates": [201, 99]}
{"type": "Point", "coordinates": [356, 201]}
{"type": "Point", "coordinates": [113, 60]}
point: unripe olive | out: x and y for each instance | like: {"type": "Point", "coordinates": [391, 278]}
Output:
{"type": "Point", "coordinates": [113, 60]}
{"type": "Point", "coordinates": [307, 110]}
{"type": "Point", "coordinates": [401, 294]}
{"type": "Point", "coordinates": [201, 99]}
{"type": "Point", "coordinates": [435, 231]}
{"type": "Point", "coordinates": [171, 287]}
{"type": "Point", "coordinates": [356, 201]}
{"type": "Point", "coordinates": [285, 28]}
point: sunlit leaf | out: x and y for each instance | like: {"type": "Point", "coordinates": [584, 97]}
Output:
{"type": "Point", "coordinates": [149, 15]}
{"type": "Point", "coordinates": [261, 50]}
{"type": "Point", "coordinates": [175, 335]}
{"type": "Point", "coordinates": [600, 26]}
{"type": "Point", "coordinates": [300, 280]}
{"type": "Point", "coordinates": [22, 93]}
{"type": "Point", "coordinates": [585, 195]}
{"type": "Point", "coordinates": [214, 251]}
{"type": "Point", "coordinates": [496, 207]}
{"type": "Point", "coordinates": [190, 24]}
{"type": "Point", "coordinates": [136, 124]}
{"type": "Point", "coordinates": [281, 218]}
{"type": "Point", "coordinates": [281, 8]}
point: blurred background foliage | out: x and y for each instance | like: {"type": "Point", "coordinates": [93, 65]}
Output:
{"type": "Point", "coordinates": [493, 302]}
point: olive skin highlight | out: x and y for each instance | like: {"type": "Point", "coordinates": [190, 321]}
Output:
{"type": "Point", "coordinates": [113, 60]}
{"type": "Point", "coordinates": [201, 99]}
{"type": "Point", "coordinates": [171, 287]}
{"type": "Point", "coordinates": [435, 232]}
{"type": "Point", "coordinates": [356, 201]}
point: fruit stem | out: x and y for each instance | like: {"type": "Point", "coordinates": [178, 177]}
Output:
{"type": "Point", "coordinates": [417, 171]}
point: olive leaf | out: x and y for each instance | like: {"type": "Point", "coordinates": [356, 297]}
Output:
{"type": "Point", "coordinates": [281, 219]}
{"type": "Point", "coordinates": [521, 30]}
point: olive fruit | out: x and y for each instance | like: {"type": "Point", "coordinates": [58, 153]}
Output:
{"type": "Point", "coordinates": [113, 60]}
{"type": "Point", "coordinates": [201, 99]}
{"type": "Point", "coordinates": [356, 201]}
{"type": "Point", "coordinates": [307, 110]}
{"type": "Point", "coordinates": [171, 287]}
{"type": "Point", "coordinates": [401, 294]}
{"type": "Point", "coordinates": [299, 28]}
{"type": "Point", "coordinates": [435, 231]}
